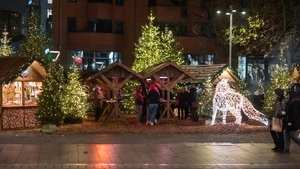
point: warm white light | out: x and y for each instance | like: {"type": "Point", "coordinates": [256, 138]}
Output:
{"type": "Point", "coordinates": [227, 99]}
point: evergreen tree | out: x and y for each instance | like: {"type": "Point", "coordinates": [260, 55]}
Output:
{"type": "Point", "coordinates": [49, 104]}
{"type": "Point", "coordinates": [170, 48]}
{"type": "Point", "coordinates": [206, 97]}
{"type": "Point", "coordinates": [74, 98]}
{"type": "Point", "coordinates": [155, 47]}
{"type": "Point", "coordinates": [5, 48]}
{"type": "Point", "coordinates": [280, 79]}
{"type": "Point", "coordinates": [35, 43]}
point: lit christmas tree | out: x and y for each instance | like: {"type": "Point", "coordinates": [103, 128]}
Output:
{"type": "Point", "coordinates": [74, 99]}
{"type": "Point", "coordinates": [280, 79]}
{"type": "Point", "coordinates": [49, 104]}
{"type": "Point", "coordinates": [35, 43]}
{"type": "Point", "coordinates": [155, 47]}
{"type": "Point", "coordinates": [205, 99]}
{"type": "Point", "coordinates": [5, 48]}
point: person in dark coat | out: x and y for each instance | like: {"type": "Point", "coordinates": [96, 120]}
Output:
{"type": "Point", "coordinates": [279, 106]}
{"type": "Point", "coordinates": [293, 117]}
{"type": "Point", "coordinates": [182, 100]}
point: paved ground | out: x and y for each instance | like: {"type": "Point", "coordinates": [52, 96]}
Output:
{"type": "Point", "coordinates": [19, 150]}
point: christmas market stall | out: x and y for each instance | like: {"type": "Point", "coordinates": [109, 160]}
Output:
{"type": "Point", "coordinates": [113, 78]}
{"type": "Point", "coordinates": [215, 71]}
{"type": "Point", "coordinates": [166, 76]}
{"type": "Point", "coordinates": [21, 84]}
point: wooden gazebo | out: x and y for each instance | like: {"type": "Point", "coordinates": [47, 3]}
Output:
{"type": "Point", "coordinates": [172, 74]}
{"type": "Point", "coordinates": [114, 77]}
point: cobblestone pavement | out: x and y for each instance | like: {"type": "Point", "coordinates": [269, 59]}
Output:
{"type": "Point", "coordinates": [179, 155]}
{"type": "Point", "coordinates": [91, 151]}
{"type": "Point", "coordinates": [38, 138]}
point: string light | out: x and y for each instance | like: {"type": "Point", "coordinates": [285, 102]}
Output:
{"type": "Point", "coordinates": [228, 100]}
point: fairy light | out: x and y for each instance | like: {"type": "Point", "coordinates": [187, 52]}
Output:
{"type": "Point", "coordinates": [227, 99]}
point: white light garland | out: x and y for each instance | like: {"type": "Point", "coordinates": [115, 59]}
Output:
{"type": "Point", "coordinates": [227, 99]}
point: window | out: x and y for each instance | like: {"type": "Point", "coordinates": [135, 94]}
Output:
{"type": "Point", "coordinates": [104, 26]}
{"type": "Point", "coordinates": [152, 3]}
{"type": "Point", "coordinates": [197, 59]}
{"type": "Point", "coordinates": [100, 1]}
{"type": "Point", "coordinates": [71, 24]}
{"type": "Point", "coordinates": [71, 0]}
{"type": "Point", "coordinates": [95, 60]}
{"type": "Point", "coordinates": [49, 1]}
{"type": "Point", "coordinates": [49, 13]}
{"type": "Point", "coordinates": [92, 26]}
{"type": "Point", "coordinates": [119, 2]}
{"type": "Point", "coordinates": [118, 27]}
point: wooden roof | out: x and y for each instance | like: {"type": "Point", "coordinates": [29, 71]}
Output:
{"type": "Point", "coordinates": [116, 69]}
{"type": "Point", "coordinates": [168, 69]}
{"type": "Point", "coordinates": [10, 65]}
{"type": "Point", "coordinates": [37, 73]}
{"type": "Point", "coordinates": [203, 72]}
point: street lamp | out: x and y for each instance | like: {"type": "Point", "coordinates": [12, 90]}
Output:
{"type": "Point", "coordinates": [230, 13]}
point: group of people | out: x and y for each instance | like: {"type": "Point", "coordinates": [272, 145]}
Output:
{"type": "Point", "coordinates": [287, 108]}
{"type": "Point", "coordinates": [151, 100]}
{"type": "Point", "coordinates": [152, 97]}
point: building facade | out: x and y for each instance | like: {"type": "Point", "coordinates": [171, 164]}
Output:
{"type": "Point", "coordinates": [11, 21]}
{"type": "Point", "coordinates": [99, 32]}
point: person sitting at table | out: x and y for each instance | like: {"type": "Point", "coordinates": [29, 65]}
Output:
{"type": "Point", "coordinates": [153, 101]}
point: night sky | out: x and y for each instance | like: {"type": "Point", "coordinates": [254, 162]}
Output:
{"type": "Point", "coordinates": [14, 5]}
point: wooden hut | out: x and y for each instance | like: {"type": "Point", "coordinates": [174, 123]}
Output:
{"type": "Point", "coordinates": [167, 75]}
{"type": "Point", "coordinates": [114, 77]}
{"type": "Point", "coordinates": [216, 71]}
{"type": "Point", "coordinates": [19, 91]}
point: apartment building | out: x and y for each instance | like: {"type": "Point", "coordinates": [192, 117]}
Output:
{"type": "Point", "coordinates": [11, 21]}
{"type": "Point", "coordinates": [100, 32]}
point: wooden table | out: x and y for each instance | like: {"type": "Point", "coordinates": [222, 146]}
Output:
{"type": "Point", "coordinates": [167, 109]}
{"type": "Point", "coordinates": [112, 110]}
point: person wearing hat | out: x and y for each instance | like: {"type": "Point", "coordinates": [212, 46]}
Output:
{"type": "Point", "coordinates": [279, 106]}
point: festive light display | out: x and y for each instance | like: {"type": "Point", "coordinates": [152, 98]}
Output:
{"type": "Point", "coordinates": [74, 100]}
{"type": "Point", "coordinates": [228, 100]}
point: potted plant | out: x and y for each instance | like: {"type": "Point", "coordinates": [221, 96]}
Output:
{"type": "Point", "coordinates": [74, 100]}
{"type": "Point", "coordinates": [49, 112]}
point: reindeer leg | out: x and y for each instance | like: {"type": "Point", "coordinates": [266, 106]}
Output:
{"type": "Point", "coordinates": [238, 116]}
{"type": "Point", "coordinates": [224, 116]}
{"type": "Point", "coordinates": [214, 115]}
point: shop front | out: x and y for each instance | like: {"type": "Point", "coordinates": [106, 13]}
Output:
{"type": "Point", "coordinates": [19, 97]}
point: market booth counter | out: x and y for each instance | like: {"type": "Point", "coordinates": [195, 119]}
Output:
{"type": "Point", "coordinates": [19, 97]}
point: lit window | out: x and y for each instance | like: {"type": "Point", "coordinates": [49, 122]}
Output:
{"type": "Point", "coordinates": [49, 12]}
{"type": "Point", "coordinates": [49, 1]}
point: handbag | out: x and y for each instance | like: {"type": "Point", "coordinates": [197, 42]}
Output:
{"type": "Point", "coordinates": [276, 124]}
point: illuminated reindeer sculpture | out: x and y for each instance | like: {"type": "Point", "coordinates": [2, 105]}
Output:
{"type": "Point", "coordinates": [227, 99]}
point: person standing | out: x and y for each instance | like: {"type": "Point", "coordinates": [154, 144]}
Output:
{"type": "Point", "coordinates": [139, 101]}
{"type": "Point", "coordinates": [292, 118]}
{"type": "Point", "coordinates": [153, 100]}
{"type": "Point", "coordinates": [182, 99]}
{"type": "Point", "coordinates": [97, 102]}
{"type": "Point", "coordinates": [279, 106]}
